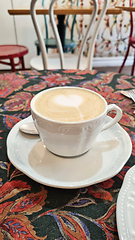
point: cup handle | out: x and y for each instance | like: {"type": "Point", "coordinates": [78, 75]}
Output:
{"type": "Point", "coordinates": [115, 119]}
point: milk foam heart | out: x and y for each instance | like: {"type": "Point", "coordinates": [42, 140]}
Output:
{"type": "Point", "coordinates": [71, 100]}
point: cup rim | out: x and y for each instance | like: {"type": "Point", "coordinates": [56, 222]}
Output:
{"type": "Point", "coordinates": [60, 122]}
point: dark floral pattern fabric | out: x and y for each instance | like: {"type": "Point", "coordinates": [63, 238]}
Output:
{"type": "Point", "coordinates": [29, 210]}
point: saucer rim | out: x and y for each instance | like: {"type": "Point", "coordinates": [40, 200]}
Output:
{"type": "Point", "coordinates": [122, 210]}
{"type": "Point", "coordinates": [66, 185]}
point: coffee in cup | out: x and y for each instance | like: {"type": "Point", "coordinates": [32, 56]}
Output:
{"type": "Point", "coordinates": [69, 105]}
{"type": "Point", "coordinates": [70, 118]}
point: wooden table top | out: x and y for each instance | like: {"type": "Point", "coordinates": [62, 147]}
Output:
{"type": "Point", "coordinates": [123, 8]}
{"type": "Point", "coordinates": [63, 11]}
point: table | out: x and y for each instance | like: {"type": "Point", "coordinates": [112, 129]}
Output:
{"type": "Point", "coordinates": [124, 8]}
{"type": "Point", "coordinates": [36, 211]}
{"type": "Point", "coordinates": [11, 52]}
{"type": "Point", "coordinates": [63, 11]}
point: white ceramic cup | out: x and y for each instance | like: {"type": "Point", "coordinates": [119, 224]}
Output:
{"type": "Point", "coordinates": [70, 139]}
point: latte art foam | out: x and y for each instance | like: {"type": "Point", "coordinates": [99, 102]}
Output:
{"type": "Point", "coordinates": [69, 105]}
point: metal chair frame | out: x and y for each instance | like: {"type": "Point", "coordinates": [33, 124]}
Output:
{"type": "Point", "coordinates": [57, 37]}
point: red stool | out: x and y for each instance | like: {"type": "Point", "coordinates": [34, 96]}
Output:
{"type": "Point", "coordinates": [131, 43]}
{"type": "Point", "coordinates": [13, 51]}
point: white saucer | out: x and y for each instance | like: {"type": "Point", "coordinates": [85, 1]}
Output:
{"type": "Point", "coordinates": [106, 158]}
{"type": "Point", "coordinates": [125, 210]}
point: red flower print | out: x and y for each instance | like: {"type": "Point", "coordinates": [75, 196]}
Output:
{"type": "Point", "coordinates": [106, 223]}
{"type": "Point", "coordinates": [84, 72]}
{"type": "Point", "coordinates": [122, 173]}
{"type": "Point", "coordinates": [98, 190]}
{"type": "Point", "coordinates": [56, 79]}
{"type": "Point", "coordinates": [17, 102]}
{"type": "Point", "coordinates": [70, 71]}
{"type": "Point", "coordinates": [33, 73]}
{"type": "Point", "coordinates": [1, 137]}
{"type": "Point", "coordinates": [13, 219]}
{"type": "Point", "coordinates": [107, 77]}
{"type": "Point", "coordinates": [10, 121]}
{"type": "Point", "coordinates": [123, 84]}
{"type": "Point", "coordinates": [13, 83]}
{"type": "Point", "coordinates": [37, 87]}
{"type": "Point", "coordinates": [127, 120]}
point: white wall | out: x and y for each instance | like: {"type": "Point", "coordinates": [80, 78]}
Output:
{"type": "Point", "coordinates": [25, 31]}
{"type": "Point", "coordinates": [7, 32]}
{"type": "Point", "coordinates": [18, 29]}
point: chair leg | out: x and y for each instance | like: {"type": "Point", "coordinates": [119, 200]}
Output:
{"type": "Point", "coordinates": [124, 59]}
{"type": "Point", "coordinates": [61, 29]}
{"type": "Point", "coordinates": [73, 51]}
{"type": "Point", "coordinates": [12, 64]}
{"type": "Point", "coordinates": [22, 62]}
{"type": "Point", "coordinates": [38, 50]}
{"type": "Point", "coordinates": [133, 66]}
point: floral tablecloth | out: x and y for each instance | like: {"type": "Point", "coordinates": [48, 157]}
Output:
{"type": "Point", "coordinates": [30, 210]}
